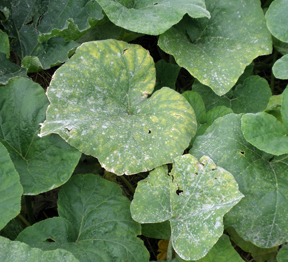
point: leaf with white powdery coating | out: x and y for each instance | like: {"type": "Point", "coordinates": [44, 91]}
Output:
{"type": "Point", "coordinates": [42, 163]}
{"type": "Point", "coordinates": [151, 16]}
{"type": "Point", "coordinates": [17, 251]}
{"type": "Point", "coordinates": [260, 217]}
{"type": "Point", "coordinates": [194, 197]}
{"type": "Point", "coordinates": [10, 188]}
{"type": "Point", "coordinates": [98, 104]}
{"type": "Point", "coordinates": [94, 223]}
{"type": "Point", "coordinates": [217, 50]}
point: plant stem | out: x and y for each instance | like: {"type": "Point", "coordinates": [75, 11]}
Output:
{"type": "Point", "coordinates": [29, 209]}
{"type": "Point", "coordinates": [169, 250]}
{"type": "Point", "coordinates": [128, 184]}
{"type": "Point", "coordinates": [23, 219]}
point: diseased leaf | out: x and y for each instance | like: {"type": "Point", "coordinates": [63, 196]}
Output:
{"type": "Point", "coordinates": [9, 70]}
{"type": "Point", "coordinates": [42, 163]}
{"type": "Point", "coordinates": [277, 19]}
{"type": "Point", "coordinates": [10, 189]}
{"type": "Point", "coordinates": [259, 254]}
{"type": "Point", "coordinates": [99, 105]}
{"type": "Point", "coordinates": [150, 16]}
{"type": "Point", "coordinates": [94, 224]}
{"type": "Point", "coordinates": [222, 46]}
{"type": "Point", "coordinates": [249, 97]}
{"type": "Point", "coordinates": [17, 251]}
{"type": "Point", "coordinates": [194, 197]}
{"type": "Point", "coordinates": [280, 68]}
{"type": "Point", "coordinates": [260, 217]}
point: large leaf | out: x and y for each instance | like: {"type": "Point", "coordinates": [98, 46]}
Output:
{"type": "Point", "coordinates": [251, 96]}
{"type": "Point", "coordinates": [94, 224]}
{"type": "Point", "coordinates": [277, 19]}
{"type": "Point", "coordinates": [217, 50]}
{"type": "Point", "coordinates": [99, 105]}
{"type": "Point", "coordinates": [194, 197]}
{"type": "Point", "coordinates": [42, 163]}
{"type": "Point", "coordinates": [10, 188]}
{"type": "Point", "coordinates": [17, 251]}
{"type": "Point", "coordinates": [150, 16]}
{"type": "Point", "coordinates": [23, 29]}
{"type": "Point", "coordinates": [265, 132]}
{"type": "Point", "coordinates": [260, 217]}
{"type": "Point", "coordinates": [280, 68]}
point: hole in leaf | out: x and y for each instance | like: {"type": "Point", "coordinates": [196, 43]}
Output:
{"type": "Point", "coordinates": [155, 4]}
{"type": "Point", "coordinates": [271, 158]}
{"type": "Point", "coordinates": [179, 191]}
{"type": "Point", "coordinates": [30, 22]}
{"type": "Point", "coordinates": [49, 240]}
{"type": "Point", "coordinates": [215, 177]}
{"type": "Point", "coordinates": [124, 51]}
{"type": "Point", "coordinates": [68, 129]}
{"type": "Point", "coordinates": [172, 178]}
{"type": "Point", "coordinates": [242, 153]}
{"type": "Point", "coordinates": [196, 174]}
{"type": "Point", "coordinates": [149, 131]}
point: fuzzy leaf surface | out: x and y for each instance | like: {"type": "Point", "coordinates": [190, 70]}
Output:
{"type": "Point", "coordinates": [277, 19]}
{"type": "Point", "coordinates": [150, 16]}
{"type": "Point", "coordinates": [10, 188]}
{"type": "Point", "coordinates": [94, 224]}
{"type": "Point", "coordinates": [260, 216]}
{"type": "Point", "coordinates": [222, 46]}
{"type": "Point", "coordinates": [99, 105]}
{"type": "Point", "coordinates": [42, 163]}
{"type": "Point", "coordinates": [17, 251]}
{"type": "Point", "coordinates": [194, 197]}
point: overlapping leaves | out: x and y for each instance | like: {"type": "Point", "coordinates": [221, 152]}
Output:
{"type": "Point", "coordinates": [94, 224]}
{"type": "Point", "coordinates": [99, 105]}
{"type": "Point", "coordinates": [194, 197]}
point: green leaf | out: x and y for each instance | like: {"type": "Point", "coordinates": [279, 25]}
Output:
{"type": "Point", "coordinates": [150, 16]}
{"type": "Point", "coordinates": [10, 188]}
{"type": "Point", "coordinates": [99, 105]}
{"type": "Point", "coordinates": [259, 254]}
{"type": "Point", "coordinates": [277, 19]}
{"type": "Point", "coordinates": [249, 97]}
{"type": "Point", "coordinates": [283, 254]}
{"type": "Point", "coordinates": [280, 68]}
{"type": "Point", "coordinates": [9, 70]}
{"type": "Point", "coordinates": [194, 197]}
{"type": "Point", "coordinates": [157, 230]}
{"type": "Point", "coordinates": [166, 75]}
{"type": "Point", "coordinates": [17, 251]}
{"type": "Point", "coordinates": [260, 217]}
{"type": "Point", "coordinates": [284, 108]}
{"type": "Point", "coordinates": [265, 132]}
{"type": "Point", "coordinates": [69, 19]}
{"type": "Point", "coordinates": [42, 163]}
{"type": "Point", "coordinates": [222, 46]}
{"type": "Point", "coordinates": [94, 224]}
{"type": "Point", "coordinates": [4, 44]}
{"type": "Point", "coordinates": [12, 229]}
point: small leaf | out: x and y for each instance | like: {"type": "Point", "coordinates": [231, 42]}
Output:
{"type": "Point", "coordinates": [151, 16]}
{"type": "Point", "coordinates": [220, 47]}
{"type": "Point", "coordinates": [280, 68]}
{"type": "Point", "coordinates": [194, 197]}
{"type": "Point", "coordinates": [17, 251]}
{"type": "Point", "coordinates": [283, 254]}
{"type": "Point", "coordinates": [277, 19]}
{"type": "Point", "coordinates": [94, 224]}
{"type": "Point", "coordinates": [260, 217]}
{"type": "Point", "coordinates": [42, 163]}
{"type": "Point", "coordinates": [99, 105]}
{"type": "Point", "coordinates": [4, 44]}
{"type": "Point", "coordinates": [265, 132]}
{"type": "Point", "coordinates": [10, 189]}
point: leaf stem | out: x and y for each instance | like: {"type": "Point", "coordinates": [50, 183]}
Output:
{"type": "Point", "coordinates": [128, 184]}
{"type": "Point", "coordinates": [24, 220]}
{"type": "Point", "coordinates": [169, 250]}
{"type": "Point", "coordinates": [29, 209]}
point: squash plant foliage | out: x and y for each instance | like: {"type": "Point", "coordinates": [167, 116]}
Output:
{"type": "Point", "coordinates": [163, 120]}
